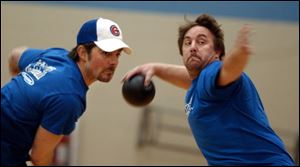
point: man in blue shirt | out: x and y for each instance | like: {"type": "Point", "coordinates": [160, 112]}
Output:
{"type": "Point", "coordinates": [47, 94]}
{"type": "Point", "coordinates": [223, 107]}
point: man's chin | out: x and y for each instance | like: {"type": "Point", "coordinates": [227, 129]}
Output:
{"type": "Point", "coordinates": [107, 79]}
{"type": "Point", "coordinates": [194, 67]}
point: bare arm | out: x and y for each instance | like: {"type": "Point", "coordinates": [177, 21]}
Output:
{"type": "Point", "coordinates": [173, 74]}
{"type": "Point", "coordinates": [235, 62]}
{"type": "Point", "coordinates": [13, 60]}
{"type": "Point", "coordinates": [43, 147]}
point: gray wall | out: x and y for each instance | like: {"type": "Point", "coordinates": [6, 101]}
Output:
{"type": "Point", "coordinates": [107, 132]}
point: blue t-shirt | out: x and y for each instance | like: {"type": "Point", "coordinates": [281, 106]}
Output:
{"type": "Point", "coordinates": [229, 123]}
{"type": "Point", "coordinates": [49, 91]}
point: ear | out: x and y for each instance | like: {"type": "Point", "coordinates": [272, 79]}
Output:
{"type": "Point", "coordinates": [217, 55]}
{"type": "Point", "coordinates": [82, 54]}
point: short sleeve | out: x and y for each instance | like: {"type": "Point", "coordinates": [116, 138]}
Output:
{"type": "Point", "coordinates": [61, 112]}
{"type": "Point", "coordinates": [28, 56]}
{"type": "Point", "coordinates": [208, 81]}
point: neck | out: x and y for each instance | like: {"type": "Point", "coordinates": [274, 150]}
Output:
{"type": "Point", "coordinates": [196, 73]}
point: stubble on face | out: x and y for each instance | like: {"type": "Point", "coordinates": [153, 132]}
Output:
{"type": "Point", "coordinates": [106, 75]}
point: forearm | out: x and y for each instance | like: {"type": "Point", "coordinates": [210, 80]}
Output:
{"type": "Point", "coordinates": [235, 62]}
{"type": "Point", "coordinates": [44, 146]}
{"type": "Point", "coordinates": [174, 74]}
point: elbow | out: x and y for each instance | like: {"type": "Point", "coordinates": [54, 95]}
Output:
{"type": "Point", "coordinates": [39, 160]}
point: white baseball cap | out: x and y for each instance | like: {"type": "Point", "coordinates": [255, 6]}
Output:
{"type": "Point", "coordinates": [105, 33]}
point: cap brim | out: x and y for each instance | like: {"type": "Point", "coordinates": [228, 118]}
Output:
{"type": "Point", "coordinates": [110, 45]}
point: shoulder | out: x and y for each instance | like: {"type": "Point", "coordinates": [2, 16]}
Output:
{"type": "Point", "coordinates": [212, 67]}
{"type": "Point", "coordinates": [28, 55]}
{"type": "Point", "coordinates": [36, 51]}
{"type": "Point", "coordinates": [210, 72]}
{"type": "Point", "coordinates": [59, 50]}
{"type": "Point", "coordinates": [207, 82]}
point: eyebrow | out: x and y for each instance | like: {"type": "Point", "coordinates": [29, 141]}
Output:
{"type": "Point", "coordinates": [201, 35]}
{"type": "Point", "coordinates": [198, 36]}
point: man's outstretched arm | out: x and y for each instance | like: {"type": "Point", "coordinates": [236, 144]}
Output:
{"type": "Point", "coordinates": [235, 62]}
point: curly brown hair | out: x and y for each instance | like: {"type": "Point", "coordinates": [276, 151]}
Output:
{"type": "Point", "coordinates": [211, 24]}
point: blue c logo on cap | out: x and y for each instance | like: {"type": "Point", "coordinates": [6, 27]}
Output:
{"type": "Point", "coordinates": [114, 30]}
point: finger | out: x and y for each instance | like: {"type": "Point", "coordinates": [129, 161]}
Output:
{"type": "Point", "coordinates": [147, 81]}
{"type": "Point", "coordinates": [124, 78]}
{"type": "Point", "coordinates": [130, 74]}
{"type": "Point", "coordinates": [243, 35]}
{"type": "Point", "coordinates": [247, 30]}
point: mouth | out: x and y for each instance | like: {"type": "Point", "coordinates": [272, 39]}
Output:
{"type": "Point", "coordinates": [194, 62]}
{"type": "Point", "coordinates": [106, 75]}
{"type": "Point", "coordinates": [111, 69]}
{"type": "Point", "coordinates": [194, 58]}
{"type": "Point", "coordinates": [110, 72]}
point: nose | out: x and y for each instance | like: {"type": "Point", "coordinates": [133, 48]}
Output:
{"type": "Point", "coordinates": [193, 48]}
{"type": "Point", "coordinates": [114, 58]}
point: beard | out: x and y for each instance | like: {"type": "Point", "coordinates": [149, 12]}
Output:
{"type": "Point", "coordinates": [106, 75]}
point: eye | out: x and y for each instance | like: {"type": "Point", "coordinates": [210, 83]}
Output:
{"type": "Point", "coordinates": [118, 54]}
{"type": "Point", "coordinates": [187, 42]}
{"type": "Point", "coordinates": [201, 42]}
{"type": "Point", "coordinates": [105, 53]}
